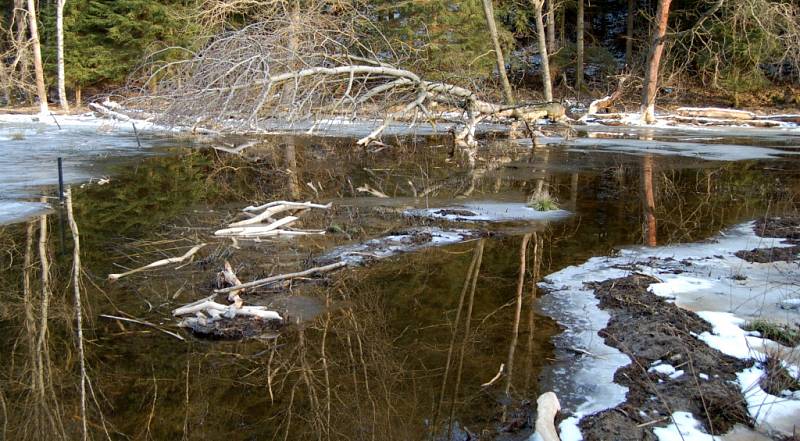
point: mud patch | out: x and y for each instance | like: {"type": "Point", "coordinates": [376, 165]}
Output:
{"type": "Point", "coordinates": [671, 369]}
{"type": "Point", "coordinates": [779, 227]}
{"type": "Point", "coordinates": [767, 255]}
{"type": "Point", "coordinates": [237, 328]}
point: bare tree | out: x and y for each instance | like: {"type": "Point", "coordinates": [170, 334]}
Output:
{"type": "Point", "coordinates": [650, 86]}
{"type": "Point", "coordinates": [62, 91]}
{"type": "Point", "coordinates": [579, 49]}
{"type": "Point", "coordinates": [543, 54]}
{"type": "Point", "coordinates": [37, 57]}
{"type": "Point", "coordinates": [488, 11]}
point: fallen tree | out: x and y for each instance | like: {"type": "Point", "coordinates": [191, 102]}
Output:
{"type": "Point", "coordinates": [274, 74]}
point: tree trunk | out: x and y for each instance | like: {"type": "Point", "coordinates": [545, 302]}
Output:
{"type": "Point", "coordinates": [629, 33]}
{"type": "Point", "coordinates": [37, 57]}
{"type": "Point", "coordinates": [78, 93]}
{"type": "Point", "coordinates": [551, 27]}
{"type": "Point", "coordinates": [540, 33]}
{"type": "Point", "coordinates": [62, 90]}
{"type": "Point", "coordinates": [650, 86]}
{"type": "Point", "coordinates": [579, 49]}
{"type": "Point", "coordinates": [20, 64]}
{"type": "Point", "coordinates": [488, 10]}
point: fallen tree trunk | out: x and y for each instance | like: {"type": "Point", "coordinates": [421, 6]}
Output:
{"type": "Point", "coordinates": [713, 112]}
{"type": "Point", "coordinates": [276, 72]}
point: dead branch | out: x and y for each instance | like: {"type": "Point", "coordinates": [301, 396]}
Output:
{"type": "Point", "coordinates": [158, 263]}
{"type": "Point", "coordinates": [218, 310]}
{"type": "Point", "coordinates": [143, 323]}
{"type": "Point", "coordinates": [227, 277]}
{"type": "Point", "coordinates": [274, 279]}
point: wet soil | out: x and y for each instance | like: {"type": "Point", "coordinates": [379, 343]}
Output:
{"type": "Point", "coordinates": [237, 328]}
{"type": "Point", "coordinates": [788, 227]}
{"type": "Point", "coordinates": [650, 331]}
{"type": "Point", "coordinates": [767, 255]}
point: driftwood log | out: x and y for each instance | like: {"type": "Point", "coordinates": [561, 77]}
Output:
{"type": "Point", "coordinates": [547, 406]}
{"type": "Point", "coordinates": [254, 227]}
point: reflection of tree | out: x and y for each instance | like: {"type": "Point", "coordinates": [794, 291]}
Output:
{"type": "Point", "coordinates": [512, 347]}
{"type": "Point", "coordinates": [648, 202]}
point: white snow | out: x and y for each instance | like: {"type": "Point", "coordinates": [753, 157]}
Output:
{"type": "Point", "coordinates": [488, 211]}
{"type": "Point", "coordinates": [772, 414]}
{"type": "Point", "coordinates": [683, 427]}
{"type": "Point", "coordinates": [387, 246]}
{"type": "Point", "coordinates": [666, 369]}
{"type": "Point", "coordinates": [584, 383]}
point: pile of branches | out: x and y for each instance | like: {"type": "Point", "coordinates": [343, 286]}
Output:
{"type": "Point", "coordinates": [308, 68]}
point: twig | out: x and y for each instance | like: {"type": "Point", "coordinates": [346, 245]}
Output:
{"type": "Point", "coordinates": [273, 279]}
{"type": "Point", "coordinates": [496, 377]}
{"type": "Point", "coordinates": [144, 323]}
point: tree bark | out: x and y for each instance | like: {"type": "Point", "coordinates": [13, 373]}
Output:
{"type": "Point", "coordinates": [650, 86]}
{"type": "Point", "coordinates": [579, 49]}
{"type": "Point", "coordinates": [62, 90]}
{"type": "Point", "coordinates": [540, 33]}
{"type": "Point", "coordinates": [629, 32]}
{"type": "Point", "coordinates": [488, 10]}
{"type": "Point", "coordinates": [551, 27]}
{"type": "Point", "coordinates": [37, 57]}
{"type": "Point", "coordinates": [78, 97]}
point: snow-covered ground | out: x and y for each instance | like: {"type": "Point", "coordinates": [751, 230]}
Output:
{"type": "Point", "coordinates": [706, 278]}
{"type": "Point", "coordinates": [708, 143]}
{"type": "Point", "coordinates": [31, 144]}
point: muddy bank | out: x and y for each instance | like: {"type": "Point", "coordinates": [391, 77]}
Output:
{"type": "Point", "coordinates": [671, 370]}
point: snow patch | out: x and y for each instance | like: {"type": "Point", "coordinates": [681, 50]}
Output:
{"type": "Point", "coordinates": [488, 211]}
{"type": "Point", "coordinates": [684, 427]}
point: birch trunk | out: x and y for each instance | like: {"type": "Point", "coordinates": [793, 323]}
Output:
{"type": "Point", "coordinates": [540, 33]}
{"type": "Point", "coordinates": [62, 90]}
{"type": "Point", "coordinates": [41, 91]}
{"type": "Point", "coordinates": [579, 49]}
{"type": "Point", "coordinates": [650, 86]}
{"type": "Point", "coordinates": [488, 10]}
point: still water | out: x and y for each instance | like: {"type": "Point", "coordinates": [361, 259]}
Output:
{"type": "Point", "coordinates": [400, 348]}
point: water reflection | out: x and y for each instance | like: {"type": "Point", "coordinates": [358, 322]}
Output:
{"type": "Point", "coordinates": [402, 348]}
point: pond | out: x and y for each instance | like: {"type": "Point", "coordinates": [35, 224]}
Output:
{"type": "Point", "coordinates": [399, 348]}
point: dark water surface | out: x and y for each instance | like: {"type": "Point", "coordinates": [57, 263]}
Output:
{"type": "Point", "coordinates": [376, 353]}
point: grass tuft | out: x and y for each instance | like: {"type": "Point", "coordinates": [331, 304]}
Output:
{"type": "Point", "coordinates": [543, 202]}
{"type": "Point", "coordinates": [783, 334]}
